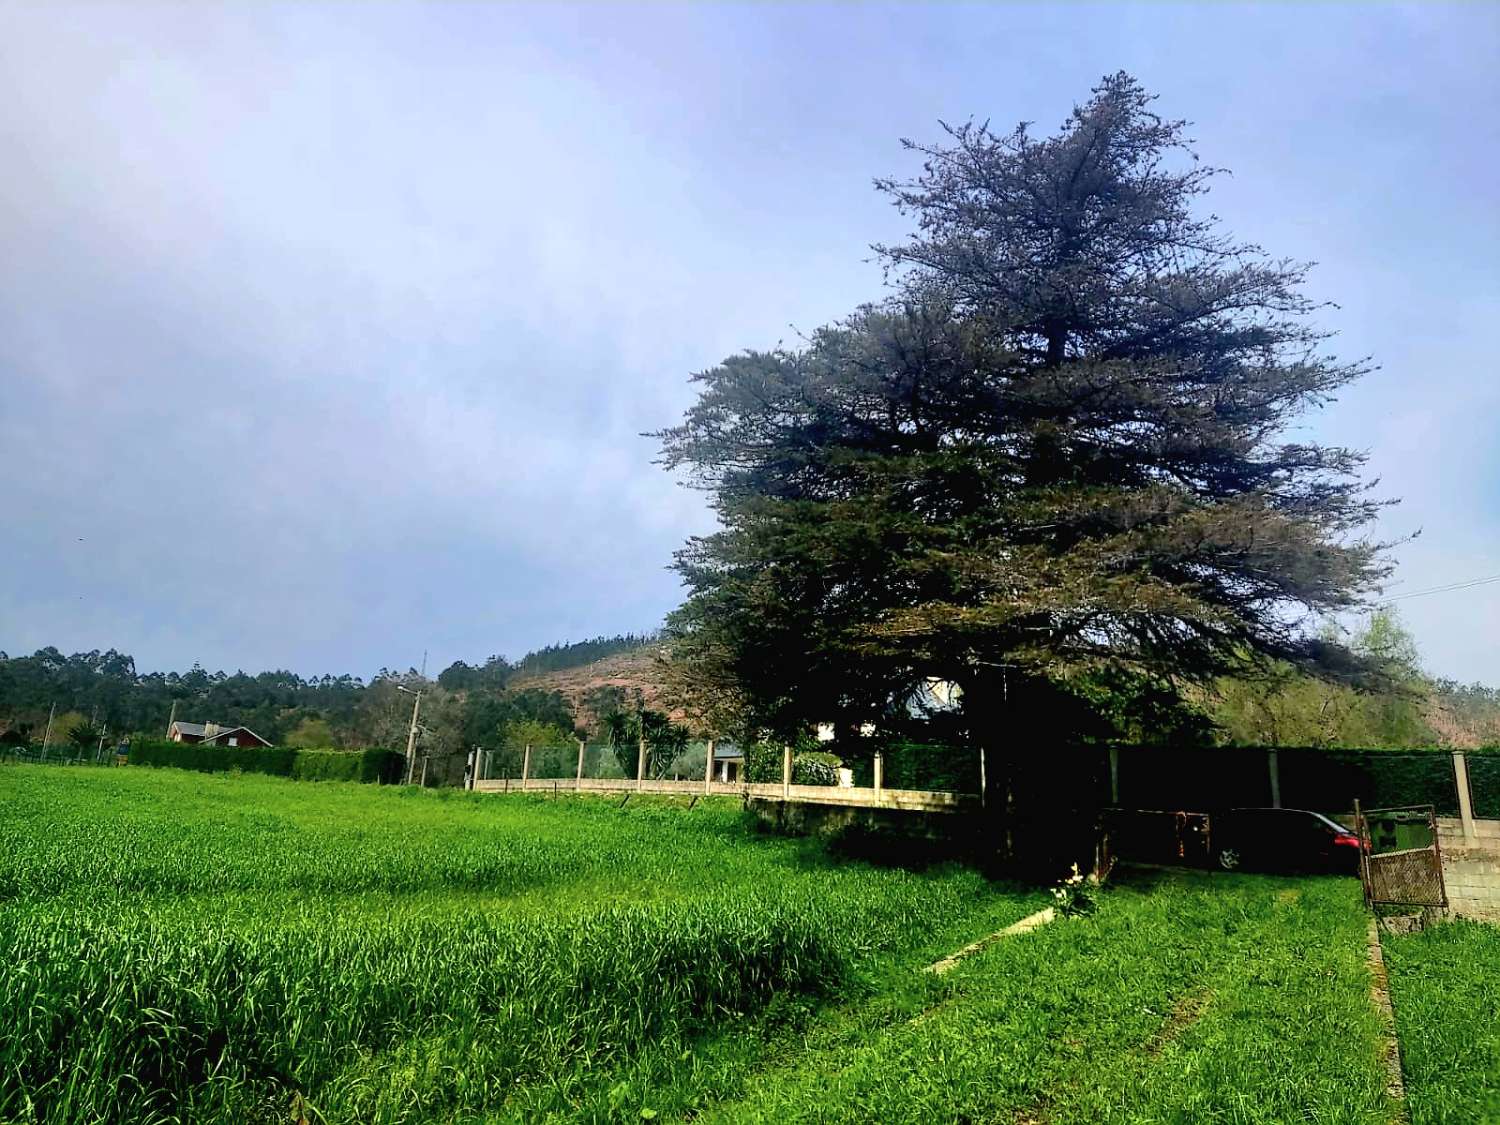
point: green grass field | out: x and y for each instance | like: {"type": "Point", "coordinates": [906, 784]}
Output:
{"type": "Point", "coordinates": [182, 947]}
{"type": "Point", "coordinates": [1445, 986]}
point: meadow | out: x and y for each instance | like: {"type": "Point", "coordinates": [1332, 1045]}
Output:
{"type": "Point", "coordinates": [207, 948]}
{"type": "Point", "coordinates": [186, 947]}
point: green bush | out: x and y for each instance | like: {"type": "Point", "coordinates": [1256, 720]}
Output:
{"type": "Point", "coordinates": [383, 766]}
{"type": "Point", "coordinates": [815, 767]}
{"type": "Point", "coordinates": [375, 765]}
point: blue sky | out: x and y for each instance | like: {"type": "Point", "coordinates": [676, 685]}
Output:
{"type": "Point", "coordinates": [327, 334]}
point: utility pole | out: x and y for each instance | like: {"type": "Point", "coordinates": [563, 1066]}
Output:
{"type": "Point", "coordinates": [172, 718]}
{"type": "Point", "coordinates": [411, 737]}
{"type": "Point", "coordinates": [47, 735]}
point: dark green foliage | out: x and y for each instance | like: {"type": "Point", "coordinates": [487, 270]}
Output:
{"type": "Point", "coordinates": [488, 718]}
{"type": "Point", "coordinates": [576, 654]}
{"type": "Point", "coordinates": [371, 765]}
{"type": "Point", "coordinates": [1330, 780]}
{"type": "Point", "coordinates": [107, 684]}
{"type": "Point", "coordinates": [1323, 780]}
{"type": "Point", "coordinates": [625, 719]}
{"type": "Point", "coordinates": [274, 760]}
{"type": "Point", "coordinates": [1484, 781]}
{"type": "Point", "coordinates": [492, 675]}
{"type": "Point", "coordinates": [1058, 450]}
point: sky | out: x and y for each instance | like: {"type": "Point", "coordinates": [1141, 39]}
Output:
{"type": "Point", "coordinates": [329, 334]}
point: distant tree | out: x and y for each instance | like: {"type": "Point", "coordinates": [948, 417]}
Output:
{"type": "Point", "coordinates": [83, 736]}
{"type": "Point", "coordinates": [1056, 451]}
{"type": "Point", "coordinates": [576, 654]}
{"type": "Point", "coordinates": [1281, 705]}
{"type": "Point", "coordinates": [310, 733]}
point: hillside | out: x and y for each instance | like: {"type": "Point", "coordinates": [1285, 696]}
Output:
{"type": "Point", "coordinates": [632, 670]}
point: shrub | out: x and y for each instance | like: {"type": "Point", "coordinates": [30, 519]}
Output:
{"type": "Point", "coordinates": [815, 768]}
{"type": "Point", "coordinates": [374, 765]}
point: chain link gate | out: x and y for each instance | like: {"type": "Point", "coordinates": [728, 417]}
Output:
{"type": "Point", "coordinates": [1400, 861]}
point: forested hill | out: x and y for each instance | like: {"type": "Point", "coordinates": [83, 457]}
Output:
{"type": "Point", "coordinates": [104, 690]}
{"type": "Point", "coordinates": [555, 658]}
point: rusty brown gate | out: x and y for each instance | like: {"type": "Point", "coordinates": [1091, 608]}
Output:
{"type": "Point", "coordinates": [1400, 861]}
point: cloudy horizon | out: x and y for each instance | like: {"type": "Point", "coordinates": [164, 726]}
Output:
{"type": "Point", "coordinates": [327, 340]}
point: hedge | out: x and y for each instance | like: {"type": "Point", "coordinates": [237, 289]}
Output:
{"type": "Point", "coordinates": [304, 765]}
{"type": "Point", "coordinates": [1311, 778]}
{"type": "Point", "coordinates": [1484, 781]}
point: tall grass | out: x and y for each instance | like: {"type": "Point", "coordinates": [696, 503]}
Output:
{"type": "Point", "coordinates": [1445, 988]}
{"type": "Point", "coordinates": [182, 947]}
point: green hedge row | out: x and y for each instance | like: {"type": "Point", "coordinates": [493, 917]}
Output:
{"type": "Point", "coordinates": [383, 766]}
{"type": "Point", "coordinates": [1311, 778]}
{"type": "Point", "coordinates": [1484, 781]}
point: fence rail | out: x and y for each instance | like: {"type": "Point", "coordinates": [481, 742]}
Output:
{"type": "Point", "coordinates": [915, 800]}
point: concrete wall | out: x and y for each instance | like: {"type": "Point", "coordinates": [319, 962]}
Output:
{"type": "Point", "coordinates": [1471, 867]}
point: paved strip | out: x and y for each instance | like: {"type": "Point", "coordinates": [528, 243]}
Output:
{"type": "Point", "coordinates": [1380, 995]}
{"type": "Point", "coordinates": [1025, 925]}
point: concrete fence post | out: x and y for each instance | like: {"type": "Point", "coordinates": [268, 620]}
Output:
{"type": "Point", "coordinates": [640, 767]}
{"type": "Point", "coordinates": [708, 770]}
{"type": "Point", "coordinates": [1465, 796]}
{"type": "Point", "coordinates": [578, 781]}
{"type": "Point", "coordinates": [525, 766]}
{"type": "Point", "coordinates": [1273, 767]}
{"type": "Point", "coordinates": [879, 777]}
{"type": "Point", "coordinates": [786, 773]}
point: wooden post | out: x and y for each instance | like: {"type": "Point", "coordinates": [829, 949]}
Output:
{"type": "Point", "coordinates": [1114, 776]}
{"type": "Point", "coordinates": [786, 773]}
{"type": "Point", "coordinates": [640, 767]}
{"type": "Point", "coordinates": [708, 769]}
{"type": "Point", "coordinates": [525, 766]}
{"type": "Point", "coordinates": [1273, 764]}
{"type": "Point", "coordinates": [578, 781]}
{"type": "Point", "coordinates": [1465, 797]}
{"type": "Point", "coordinates": [879, 777]}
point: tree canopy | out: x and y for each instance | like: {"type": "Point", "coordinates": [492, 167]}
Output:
{"type": "Point", "coordinates": [1056, 450]}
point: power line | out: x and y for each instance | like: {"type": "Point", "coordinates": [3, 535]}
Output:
{"type": "Point", "coordinates": [1441, 589]}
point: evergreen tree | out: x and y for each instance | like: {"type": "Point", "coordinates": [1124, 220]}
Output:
{"type": "Point", "coordinates": [1055, 453]}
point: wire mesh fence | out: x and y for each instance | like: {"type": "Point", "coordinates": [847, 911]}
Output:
{"type": "Point", "coordinates": [701, 767]}
{"type": "Point", "coordinates": [1402, 864]}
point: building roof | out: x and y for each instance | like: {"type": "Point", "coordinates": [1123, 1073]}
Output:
{"type": "Point", "coordinates": [200, 730]}
{"type": "Point", "coordinates": [727, 752]}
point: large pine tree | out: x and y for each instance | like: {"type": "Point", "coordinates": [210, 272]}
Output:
{"type": "Point", "coordinates": [1055, 455]}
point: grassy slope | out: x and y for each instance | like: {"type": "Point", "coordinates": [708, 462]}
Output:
{"type": "Point", "coordinates": [208, 948]}
{"type": "Point", "coordinates": [1193, 999]}
{"type": "Point", "coordinates": [1445, 986]}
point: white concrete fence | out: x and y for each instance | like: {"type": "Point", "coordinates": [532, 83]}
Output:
{"type": "Point", "coordinates": [874, 796]}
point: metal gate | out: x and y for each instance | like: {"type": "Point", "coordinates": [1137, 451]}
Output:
{"type": "Point", "coordinates": [1400, 862]}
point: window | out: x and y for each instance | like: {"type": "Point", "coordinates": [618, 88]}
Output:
{"type": "Point", "coordinates": [233, 741]}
